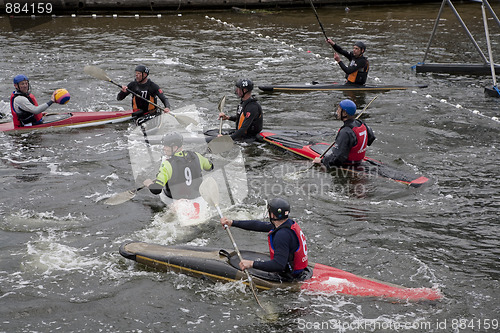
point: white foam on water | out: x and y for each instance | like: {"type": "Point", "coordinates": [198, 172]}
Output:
{"type": "Point", "coordinates": [47, 256]}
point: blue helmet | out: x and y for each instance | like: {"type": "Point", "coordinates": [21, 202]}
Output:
{"type": "Point", "coordinates": [20, 78]}
{"type": "Point", "coordinates": [348, 106]}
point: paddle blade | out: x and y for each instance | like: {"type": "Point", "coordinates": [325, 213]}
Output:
{"type": "Point", "coordinates": [222, 102]}
{"type": "Point", "coordinates": [120, 198]}
{"type": "Point", "coordinates": [209, 190]}
{"type": "Point", "coordinates": [221, 144]}
{"type": "Point", "coordinates": [185, 120]}
{"type": "Point", "coordinates": [96, 72]}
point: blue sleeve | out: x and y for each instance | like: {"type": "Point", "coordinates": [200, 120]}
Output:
{"type": "Point", "coordinates": [340, 151]}
{"type": "Point", "coordinates": [253, 225]}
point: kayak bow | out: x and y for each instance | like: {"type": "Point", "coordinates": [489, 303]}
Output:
{"type": "Point", "coordinates": [73, 120]}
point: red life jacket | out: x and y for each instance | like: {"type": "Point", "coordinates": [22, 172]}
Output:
{"type": "Point", "coordinates": [23, 117]}
{"type": "Point", "coordinates": [357, 153]}
{"type": "Point", "coordinates": [300, 256]}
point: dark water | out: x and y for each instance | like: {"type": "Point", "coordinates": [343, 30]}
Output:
{"type": "Point", "coordinates": [60, 268]}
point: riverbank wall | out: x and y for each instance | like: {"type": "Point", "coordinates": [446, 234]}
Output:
{"type": "Point", "coordinates": [159, 6]}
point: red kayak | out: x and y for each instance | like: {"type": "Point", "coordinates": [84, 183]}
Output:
{"type": "Point", "coordinates": [73, 120]}
{"type": "Point", "coordinates": [220, 265]}
{"type": "Point", "coordinates": [369, 166]}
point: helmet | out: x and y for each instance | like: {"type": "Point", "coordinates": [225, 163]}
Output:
{"type": "Point", "coordinates": [279, 207]}
{"type": "Point", "coordinates": [172, 139]}
{"type": "Point", "coordinates": [361, 45]}
{"type": "Point", "coordinates": [244, 84]}
{"type": "Point", "coordinates": [142, 69]}
{"type": "Point", "coordinates": [20, 78]}
{"type": "Point", "coordinates": [348, 106]}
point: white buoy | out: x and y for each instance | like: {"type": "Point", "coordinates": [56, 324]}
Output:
{"type": "Point", "coordinates": [136, 16]}
{"type": "Point", "coordinates": [179, 14]}
{"type": "Point", "coordinates": [159, 15]}
{"type": "Point", "coordinates": [73, 15]}
{"type": "Point", "coordinates": [94, 15]}
{"type": "Point", "coordinates": [115, 16]}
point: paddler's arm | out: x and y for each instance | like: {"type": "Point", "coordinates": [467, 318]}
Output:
{"type": "Point", "coordinates": [22, 103]}
{"type": "Point", "coordinates": [371, 135]}
{"type": "Point", "coordinates": [162, 98]}
{"type": "Point", "coordinates": [123, 93]}
{"type": "Point", "coordinates": [253, 225]}
{"type": "Point", "coordinates": [205, 163]}
{"type": "Point", "coordinates": [162, 178]}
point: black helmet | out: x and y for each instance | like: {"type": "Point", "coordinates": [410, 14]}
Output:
{"type": "Point", "coordinates": [361, 45]}
{"type": "Point", "coordinates": [172, 139]}
{"type": "Point", "coordinates": [142, 69]}
{"type": "Point", "coordinates": [279, 207]}
{"type": "Point", "coordinates": [245, 85]}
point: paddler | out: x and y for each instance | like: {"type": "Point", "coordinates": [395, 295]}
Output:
{"type": "Point", "coordinates": [351, 141]}
{"type": "Point", "coordinates": [24, 106]}
{"type": "Point", "coordinates": [287, 243]}
{"type": "Point", "coordinates": [357, 70]}
{"type": "Point", "coordinates": [180, 174]}
{"type": "Point", "coordinates": [146, 88]}
{"type": "Point", "coordinates": [248, 118]}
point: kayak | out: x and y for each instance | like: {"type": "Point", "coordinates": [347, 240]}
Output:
{"type": "Point", "coordinates": [73, 120]}
{"type": "Point", "coordinates": [367, 167]}
{"type": "Point", "coordinates": [318, 86]}
{"type": "Point", "coordinates": [220, 265]}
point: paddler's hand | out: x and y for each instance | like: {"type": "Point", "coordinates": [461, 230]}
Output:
{"type": "Point", "coordinates": [53, 97]}
{"type": "Point", "coordinates": [331, 42]}
{"type": "Point", "coordinates": [166, 110]}
{"type": "Point", "coordinates": [317, 160]}
{"type": "Point", "coordinates": [223, 116]}
{"type": "Point", "coordinates": [226, 222]}
{"type": "Point", "coordinates": [336, 57]}
{"type": "Point", "coordinates": [244, 264]}
{"type": "Point", "coordinates": [147, 182]}
{"type": "Point", "coordinates": [124, 89]}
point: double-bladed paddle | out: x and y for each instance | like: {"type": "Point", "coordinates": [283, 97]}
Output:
{"type": "Point", "coordinates": [317, 17]}
{"type": "Point", "coordinates": [209, 190]}
{"type": "Point", "coordinates": [100, 74]}
{"type": "Point", "coordinates": [122, 197]}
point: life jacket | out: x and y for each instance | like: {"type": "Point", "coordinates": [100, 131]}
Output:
{"type": "Point", "coordinates": [297, 260]}
{"type": "Point", "coordinates": [21, 118]}
{"type": "Point", "coordinates": [150, 106]}
{"type": "Point", "coordinates": [359, 76]}
{"type": "Point", "coordinates": [254, 128]}
{"type": "Point", "coordinates": [358, 151]}
{"type": "Point", "coordinates": [186, 176]}
{"type": "Point", "coordinates": [145, 91]}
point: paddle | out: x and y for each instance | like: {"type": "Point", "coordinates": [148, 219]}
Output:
{"type": "Point", "coordinates": [122, 197]}
{"type": "Point", "coordinates": [317, 17]}
{"type": "Point", "coordinates": [220, 107]}
{"type": "Point", "coordinates": [209, 190]}
{"type": "Point", "coordinates": [294, 175]}
{"type": "Point", "coordinates": [99, 73]}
